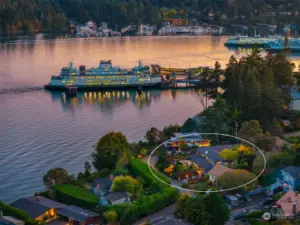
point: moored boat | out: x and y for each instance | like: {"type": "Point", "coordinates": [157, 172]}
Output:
{"type": "Point", "coordinates": [291, 45]}
{"type": "Point", "coordinates": [245, 41]}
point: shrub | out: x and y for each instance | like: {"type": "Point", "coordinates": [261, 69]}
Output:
{"type": "Point", "coordinates": [278, 195]}
{"type": "Point", "coordinates": [184, 185]}
{"type": "Point", "coordinates": [255, 215]}
{"type": "Point", "coordinates": [73, 195]}
{"type": "Point", "coordinates": [104, 172]}
{"type": "Point", "coordinates": [206, 177]}
{"type": "Point", "coordinates": [293, 139]}
{"type": "Point", "coordinates": [120, 171]}
{"type": "Point", "coordinates": [140, 169]}
{"type": "Point", "coordinates": [255, 222]}
{"type": "Point", "coordinates": [43, 193]}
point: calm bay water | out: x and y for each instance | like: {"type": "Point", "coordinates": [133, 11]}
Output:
{"type": "Point", "coordinates": [40, 130]}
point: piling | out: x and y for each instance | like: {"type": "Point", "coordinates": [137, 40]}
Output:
{"type": "Point", "coordinates": [71, 91]}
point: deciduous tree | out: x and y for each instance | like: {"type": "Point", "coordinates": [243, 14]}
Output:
{"type": "Point", "coordinates": [229, 154]}
{"type": "Point", "coordinates": [170, 130]}
{"type": "Point", "coordinates": [110, 148]}
{"type": "Point", "coordinates": [235, 178]}
{"type": "Point", "coordinates": [111, 217]}
{"type": "Point", "coordinates": [56, 176]}
{"type": "Point", "coordinates": [154, 136]}
{"type": "Point", "coordinates": [127, 184]}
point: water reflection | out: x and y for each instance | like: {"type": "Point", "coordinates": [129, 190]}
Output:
{"type": "Point", "coordinates": [108, 100]}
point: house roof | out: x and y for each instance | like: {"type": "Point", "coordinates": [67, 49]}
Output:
{"type": "Point", "coordinates": [187, 136]}
{"type": "Point", "coordinates": [13, 219]}
{"type": "Point", "coordinates": [35, 206]}
{"type": "Point", "coordinates": [104, 183]}
{"type": "Point", "coordinates": [115, 196]}
{"type": "Point", "coordinates": [6, 222]}
{"type": "Point", "coordinates": [294, 171]}
{"type": "Point", "coordinates": [219, 170]}
{"type": "Point", "coordinates": [287, 201]}
{"type": "Point", "coordinates": [231, 197]}
{"type": "Point", "coordinates": [76, 213]}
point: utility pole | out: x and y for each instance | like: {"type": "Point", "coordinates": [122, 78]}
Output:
{"type": "Point", "coordinates": [236, 127]}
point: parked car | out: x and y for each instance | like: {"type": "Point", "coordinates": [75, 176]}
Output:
{"type": "Point", "coordinates": [247, 199]}
{"type": "Point", "coordinates": [266, 201]}
{"type": "Point", "coordinates": [239, 196]}
{"type": "Point", "coordinates": [239, 216]}
{"type": "Point", "coordinates": [266, 207]}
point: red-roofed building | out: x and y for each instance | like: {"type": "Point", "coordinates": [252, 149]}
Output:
{"type": "Point", "coordinates": [289, 204]}
{"type": "Point", "coordinates": [217, 171]}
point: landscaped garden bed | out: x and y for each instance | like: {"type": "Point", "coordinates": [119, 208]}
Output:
{"type": "Point", "coordinates": [293, 139]}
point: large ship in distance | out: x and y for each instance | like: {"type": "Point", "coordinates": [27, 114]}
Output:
{"type": "Point", "coordinates": [290, 44]}
{"type": "Point", "coordinates": [246, 41]}
{"type": "Point", "coordinates": [103, 77]}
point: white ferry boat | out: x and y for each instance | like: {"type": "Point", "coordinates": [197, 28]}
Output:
{"type": "Point", "coordinates": [292, 45]}
{"type": "Point", "coordinates": [103, 77]}
{"type": "Point", "coordinates": [245, 41]}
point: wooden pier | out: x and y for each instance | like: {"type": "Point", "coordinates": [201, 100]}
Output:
{"type": "Point", "coordinates": [71, 91]}
{"type": "Point", "coordinates": [174, 83]}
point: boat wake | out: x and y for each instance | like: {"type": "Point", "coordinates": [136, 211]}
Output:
{"type": "Point", "coordinates": [20, 90]}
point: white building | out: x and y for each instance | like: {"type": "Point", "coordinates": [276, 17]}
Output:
{"type": "Point", "coordinates": [115, 198]}
{"type": "Point", "coordinates": [217, 171]}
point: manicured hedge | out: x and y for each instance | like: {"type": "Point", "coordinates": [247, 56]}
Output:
{"type": "Point", "coordinates": [140, 169]}
{"type": "Point", "coordinates": [256, 222]}
{"type": "Point", "coordinates": [17, 213]}
{"type": "Point", "coordinates": [73, 195]}
{"type": "Point", "coordinates": [145, 206]}
{"type": "Point", "coordinates": [149, 204]}
{"type": "Point", "coordinates": [255, 214]}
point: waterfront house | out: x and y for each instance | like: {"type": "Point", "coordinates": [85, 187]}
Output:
{"type": "Point", "coordinates": [102, 184]}
{"type": "Point", "coordinates": [42, 209]}
{"type": "Point", "coordinates": [288, 178]}
{"type": "Point", "coordinates": [217, 171]}
{"type": "Point", "coordinates": [38, 207]}
{"type": "Point", "coordinates": [79, 216]}
{"type": "Point", "coordinates": [288, 205]}
{"type": "Point", "coordinates": [115, 198]}
{"type": "Point", "coordinates": [191, 139]}
{"type": "Point", "coordinates": [9, 220]}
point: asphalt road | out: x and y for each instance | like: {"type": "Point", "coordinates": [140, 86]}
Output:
{"type": "Point", "coordinates": [165, 217]}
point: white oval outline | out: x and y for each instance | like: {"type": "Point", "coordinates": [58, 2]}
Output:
{"type": "Point", "coordinates": [210, 191]}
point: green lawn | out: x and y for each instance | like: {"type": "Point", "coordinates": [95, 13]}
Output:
{"type": "Point", "coordinates": [76, 192]}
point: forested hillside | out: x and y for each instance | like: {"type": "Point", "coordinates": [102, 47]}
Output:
{"type": "Point", "coordinates": [39, 15]}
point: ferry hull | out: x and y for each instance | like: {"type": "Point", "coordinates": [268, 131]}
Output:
{"type": "Point", "coordinates": [102, 87]}
{"type": "Point", "coordinates": [272, 50]}
{"type": "Point", "coordinates": [245, 45]}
